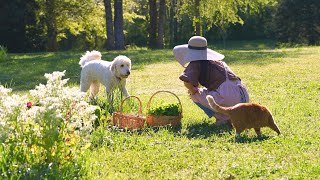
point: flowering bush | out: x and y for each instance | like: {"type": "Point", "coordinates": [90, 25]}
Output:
{"type": "Point", "coordinates": [44, 132]}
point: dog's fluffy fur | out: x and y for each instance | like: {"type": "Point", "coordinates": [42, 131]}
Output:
{"type": "Point", "coordinates": [110, 74]}
{"type": "Point", "coordinates": [246, 115]}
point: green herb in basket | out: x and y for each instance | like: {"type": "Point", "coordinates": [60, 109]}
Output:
{"type": "Point", "coordinates": [165, 110]}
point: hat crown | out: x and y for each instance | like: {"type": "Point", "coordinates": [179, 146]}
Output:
{"type": "Point", "coordinates": [197, 41]}
{"type": "Point", "coordinates": [195, 50]}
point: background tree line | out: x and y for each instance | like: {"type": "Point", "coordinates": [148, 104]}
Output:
{"type": "Point", "coordinates": [52, 25]}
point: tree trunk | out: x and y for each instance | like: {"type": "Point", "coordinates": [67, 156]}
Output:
{"type": "Point", "coordinates": [118, 25]}
{"type": "Point", "coordinates": [224, 34]}
{"type": "Point", "coordinates": [197, 23]}
{"type": "Point", "coordinates": [109, 24]}
{"type": "Point", "coordinates": [152, 24]}
{"type": "Point", "coordinates": [162, 11]}
{"type": "Point", "coordinates": [173, 23]}
{"type": "Point", "coordinates": [52, 44]}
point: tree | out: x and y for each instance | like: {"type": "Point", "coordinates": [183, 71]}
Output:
{"type": "Point", "coordinates": [51, 22]}
{"type": "Point", "coordinates": [162, 10]}
{"type": "Point", "coordinates": [115, 35]}
{"type": "Point", "coordinates": [87, 24]}
{"type": "Point", "coordinates": [220, 14]}
{"type": "Point", "coordinates": [109, 24]}
{"type": "Point", "coordinates": [64, 17]}
{"type": "Point", "coordinates": [135, 22]}
{"type": "Point", "coordinates": [118, 25]}
{"type": "Point", "coordinates": [256, 26]}
{"type": "Point", "coordinates": [173, 23]}
{"type": "Point", "coordinates": [298, 22]}
{"type": "Point", "coordinates": [197, 17]}
{"type": "Point", "coordinates": [152, 24]}
{"type": "Point", "coordinates": [191, 9]}
{"type": "Point", "coordinates": [18, 30]}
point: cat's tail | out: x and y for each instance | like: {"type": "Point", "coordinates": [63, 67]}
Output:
{"type": "Point", "coordinates": [273, 125]}
{"type": "Point", "coordinates": [216, 107]}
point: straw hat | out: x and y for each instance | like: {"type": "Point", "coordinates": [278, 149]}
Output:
{"type": "Point", "coordinates": [195, 50]}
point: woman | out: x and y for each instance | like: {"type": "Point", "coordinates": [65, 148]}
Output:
{"type": "Point", "coordinates": [207, 69]}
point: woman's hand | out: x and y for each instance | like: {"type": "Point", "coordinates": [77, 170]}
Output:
{"type": "Point", "coordinates": [191, 89]}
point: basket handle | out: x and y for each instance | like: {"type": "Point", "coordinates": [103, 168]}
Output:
{"type": "Point", "coordinates": [149, 102]}
{"type": "Point", "coordinates": [140, 108]}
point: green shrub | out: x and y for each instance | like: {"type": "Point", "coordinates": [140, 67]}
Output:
{"type": "Point", "coordinates": [165, 109]}
{"type": "Point", "coordinates": [43, 134]}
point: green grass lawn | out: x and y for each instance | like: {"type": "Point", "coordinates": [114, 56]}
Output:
{"type": "Point", "coordinates": [287, 81]}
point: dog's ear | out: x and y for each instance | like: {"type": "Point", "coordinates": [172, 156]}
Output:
{"type": "Point", "coordinates": [113, 68]}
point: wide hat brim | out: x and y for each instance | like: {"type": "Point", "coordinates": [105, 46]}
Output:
{"type": "Point", "coordinates": [184, 55]}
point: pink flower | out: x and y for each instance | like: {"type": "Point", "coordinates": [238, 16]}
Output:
{"type": "Point", "coordinates": [29, 104]}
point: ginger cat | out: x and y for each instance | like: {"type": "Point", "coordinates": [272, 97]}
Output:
{"type": "Point", "coordinates": [246, 115]}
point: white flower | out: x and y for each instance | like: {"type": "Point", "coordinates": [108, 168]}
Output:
{"type": "Point", "coordinates": [54, 105]}
{"type": "Point", "coordinates": [4, 91]}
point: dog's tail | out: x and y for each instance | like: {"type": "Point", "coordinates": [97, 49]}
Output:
{"type": "Point", "coordinates": [89, 56]}
{"type": "Point", "coordinates": [216, 107]}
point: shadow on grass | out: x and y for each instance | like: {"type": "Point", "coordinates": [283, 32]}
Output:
{"type": "Point", "coordinates": [24, 71]}
{"type": "Point", "coordinates": [244, 139]}
{"type": "Point", "coordinates": [27, 71]}
{"type": "Point", "coordinates": [205, 130]}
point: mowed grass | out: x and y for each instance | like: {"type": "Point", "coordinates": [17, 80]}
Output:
{"type": "Point", "coordinates": [284, 80]}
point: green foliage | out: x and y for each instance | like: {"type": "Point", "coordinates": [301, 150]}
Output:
{"type": "Point", "coordinates": [165, 109]}
{"type": "Point", "coordinates": [221, 14]}
{"type": "Point", "coordinates": [105, 109]}
{"type": "Point", "coordinates": [83, 19]}
{"type": "Point", "coordinates": [3, 53]}
{"type": "Point", "coordinates": [135, 30]}
{"type": "Point", "coordinates": [43, 133]}
{"type": "Point", "coordinates": [297, 22]}
{"type": "Point", "coordinates": [81, 25]}
{"type": "Point", "coordinates": [256, 26]}
{"type": "Point", "coordinates": [18, 25]}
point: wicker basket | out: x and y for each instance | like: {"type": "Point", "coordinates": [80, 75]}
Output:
{"type": "Point", "coordinates": [129, 121]}
{"type": "Point", "coordinates": [159, 121]}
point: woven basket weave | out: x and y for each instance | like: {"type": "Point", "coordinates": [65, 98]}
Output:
{"type": "Point", "coordinates": [129, 121]}
{"type": "Point", "coordinates": [159, 121]}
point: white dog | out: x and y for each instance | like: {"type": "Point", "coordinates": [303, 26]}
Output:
{"type": "Point", "coordinates": [110, 74]}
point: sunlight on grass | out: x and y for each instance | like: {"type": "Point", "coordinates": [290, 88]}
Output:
{"type": "Point", "coordinates": [284, 80]}
{"type": "Point", "coordinates": [285, 83]}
